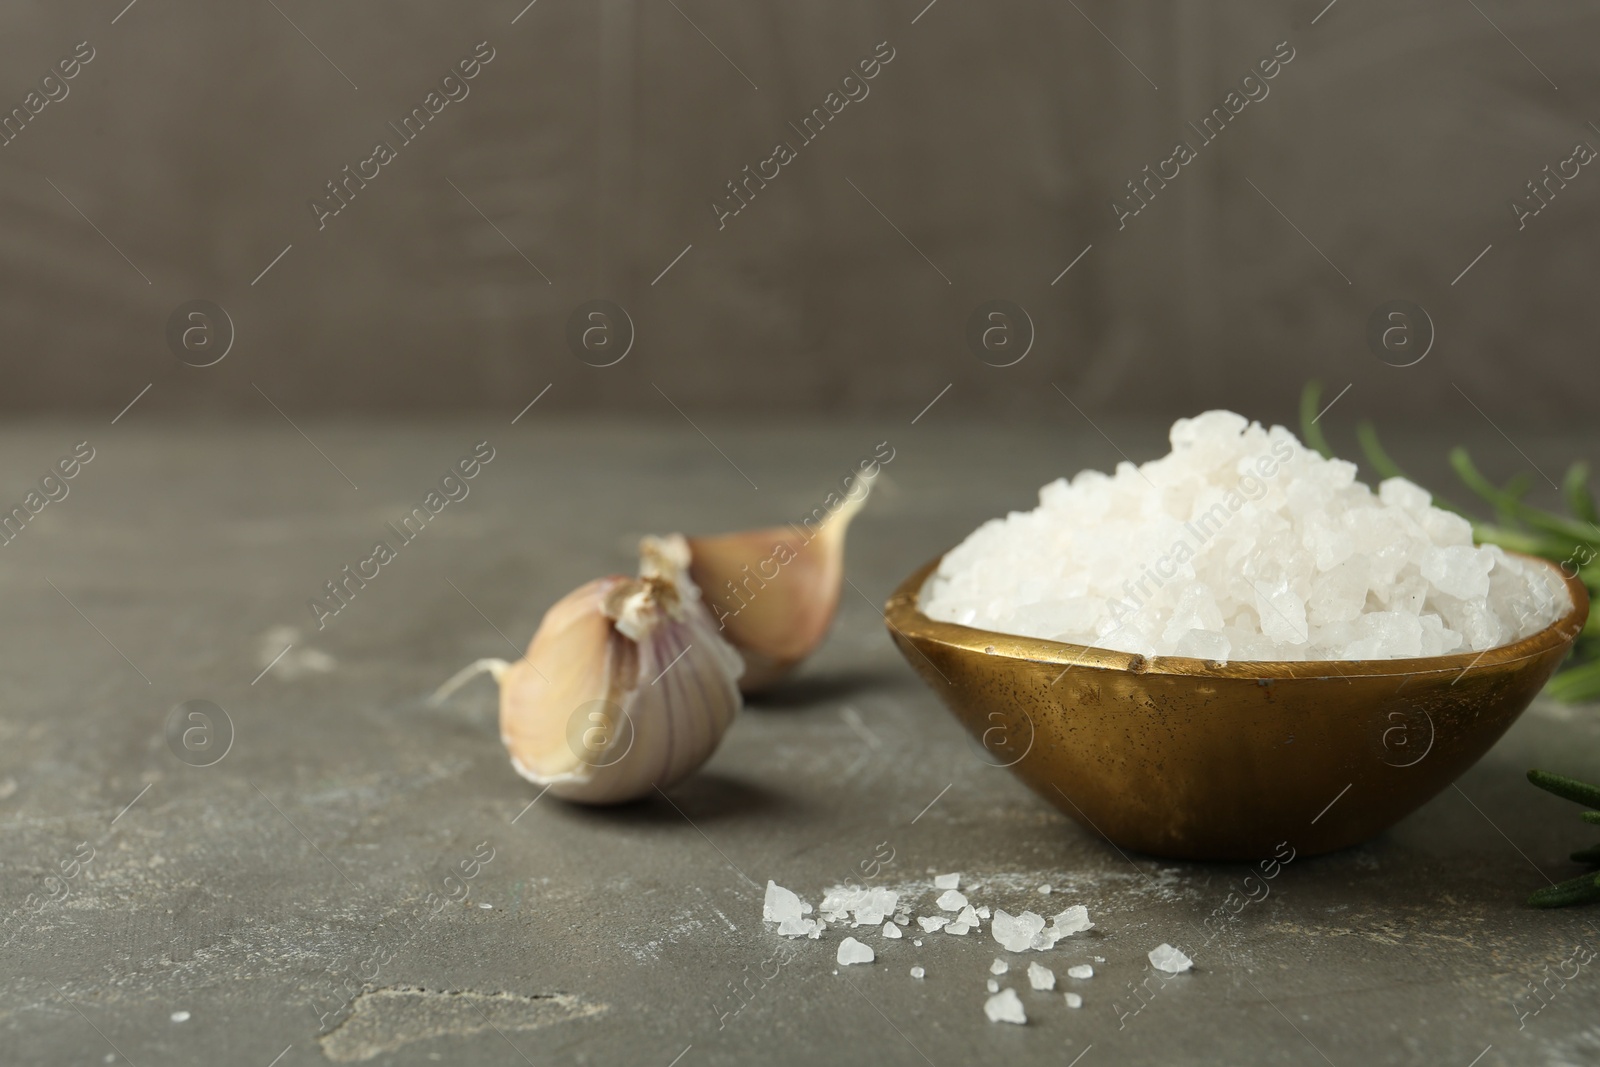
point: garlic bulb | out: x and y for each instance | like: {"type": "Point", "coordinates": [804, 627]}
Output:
{"type": "Point", "coordinates": [625, 688]}
{"type": "Point", "coordinates": [775, 591]}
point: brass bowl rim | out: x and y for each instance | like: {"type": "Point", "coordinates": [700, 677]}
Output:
{"type": "Point", "coordinates": [904, 615]}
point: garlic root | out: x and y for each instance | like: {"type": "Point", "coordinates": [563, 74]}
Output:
{"type": "Point", "coordinates": [496, 667]}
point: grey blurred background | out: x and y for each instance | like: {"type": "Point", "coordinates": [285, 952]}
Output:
{"type": "Point", "coordinates": [586, 158]}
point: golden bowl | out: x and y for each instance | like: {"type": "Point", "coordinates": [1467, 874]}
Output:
{"type": "Point", "coordinates": [1194, 759]}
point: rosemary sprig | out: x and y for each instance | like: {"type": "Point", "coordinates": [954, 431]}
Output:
{"type": "Point", "coordinates": [1584, 889]}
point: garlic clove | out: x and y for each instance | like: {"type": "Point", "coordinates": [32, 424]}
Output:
{"type": "Point", "coordinates": [774, 591]}
{"type": "Point", "coordinates": [564, 697]}
{"type": "Point", "coordinates": [626, 686]}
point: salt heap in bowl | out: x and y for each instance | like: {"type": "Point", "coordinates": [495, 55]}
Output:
{"type": "Point", "coordinates": [1242, 544]}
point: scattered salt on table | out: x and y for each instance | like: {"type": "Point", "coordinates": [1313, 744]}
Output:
{"type": "Point", "coordinates": [999, 967]}
{"type": "Point", "coordinates": [947, 881]}
{"type": "Point", "coordinates": [1074, 1001]}
{"type": "Point", "coordinates": [994, 987]}
{"type": "Point", "coordinates": [1005, 1007]}
{"type": "Point", "coordinates": [1082, 970]}
{"type": "Point", "coordinates": [1074, 920]}
{"type": "Point", "coordinates": [853, 951]}
{"type": "Point", "coordinates": [1045, 889]}
{"type": "Point", "coordinates": [1015, 934]}
{"type": "Point", "coordinates": [930, 923]}
{"type": "Point", "coordinates": [1166, 958]}
{"type": "Point", "coordinates": [917, 972]}
{"type": "Point", "coordinates": [1041, 977]}
{"type": "Point", "coordinates": [781, 904]}
{"type": "Point", "coordinates": [793, 927]}
{"type": "Point", "coordinates": [891, 930]}
{"type": "Point", "coordinates": [951, 900]}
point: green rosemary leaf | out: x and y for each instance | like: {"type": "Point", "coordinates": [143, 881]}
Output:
{"type": "Point", "coordinates": [1310, 397]}
{"type": "Point", "coordinates": [1566, 788]}
{"type": "Point", "coordinates": [1573, 533]}
{"type": "Point", "coordinates": [1584, 889]}
{"type": "Point", "coordinates": [1577, 684]}
{"type": "Point", "coordinates": [1591, 816]}
{"type": "Point", "coordinates": [1575, 487]}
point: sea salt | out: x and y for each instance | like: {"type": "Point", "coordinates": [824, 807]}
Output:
{"type": "Point", "coordinates": [930, 923]}
{"type": "Point", "coordinates": [865, 907]}
{"type": "Point", "coordinates": [1005, 1007]}
{"type": "Point", "coordinates": [1015, 934]}
{"type": "Point", "coordinates": [1045, 890]}
{"type": "Point", "coordinates": [1075, 920]}
{"type": "Point", "coordinates": [891, 930]}
{"type": "Point", "coordinates": [918, 942]}
{"type": "Point", "coordinates": [1242, 544]}
{"type": "Point", "coordinates": [853, 951]}
{"type": "Point", "coordinates": [1082, 970]}
{"type": "Point", "coordinates": [1166, 958]}
{"type": "Point", "coordinates": [960, 929]}
{"type": "Point", "coordinates": [918, 972]}
{"type": "Point", "coordinates": [794, 927]}
{"type": "Point", "coordinates": [951, 900]}
{"type": "Point", "coordinates": [983, 912]}
{"type": "Point", "coordinates": [994, 987]}
{"type": "Point", "coordinates": [947, 881]}
{"type": "Point", "coordinates": [781, 904]}
{"type": "Point", "coordinates": [1041, 977]}
{"type": "Point", "coordinates": [1074, 1000]}
{"type": "Point", "coordinates": [999, 967]}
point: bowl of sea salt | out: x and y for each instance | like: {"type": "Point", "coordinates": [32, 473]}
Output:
{"type": "Point", "coordinates": [1235, 647]}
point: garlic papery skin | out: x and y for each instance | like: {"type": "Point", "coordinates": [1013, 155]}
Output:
{"type": "Point", "coordinates": [626, 687]}
{"type": "Point", "coordinates": [774, 591]}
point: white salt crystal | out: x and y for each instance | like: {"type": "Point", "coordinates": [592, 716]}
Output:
{"type": "Point", "coordinates": [1005, 1007]}
{"type": "Point", "coordinates": [903, 918]}
{"type": "Point", "coordinates": [918, 972]}
{"type": "Point", "coordinates": [930, 923]}
{"type": "Point", "coordinates": [180, 1016]}
{"type": "Point", "coordinates": [891, 930]}
{"type": "Point", "coordinates": [947, 881]}
{"type": "Point", "coordinates": [1074, 1000]}
{"type": "Point", "coordinates": [781, 904]}
{"type": "Point", "coordinates": [983, 912]}
{"type": "Point", "coordinates": [960, 929]}
{"type": "Point", "coordinates": [1045, 889]}
{"type": "Point", "coordinates": [853, 951]}
{"type": "Point", "coordinates": [968, 917]}
{"type": "Point", "coordinates": [1082, 970]}
{"type": "Point", "coordinates": [1074, 920]}
{"type": "Point", "coordinates": [994, 987]}
{"type": "Point", "coordinates": [1041, 977]}
{"type": "Point", "coordinates": [1166, 958]}
{"type": "Point", "coordinates": [1242, 544]}
{"type": "Point", "coordinates": [1015, 934]}
{"type": "Point", "coordinates": [951, 900]}
{"type": "Point", "coordinates": [1099, 959]}
{"type": "Point", "coordinates": [999, 967]}
{"type": "Point", "coordinates": [797, 927]}
{"type": "Point", "coordinates": [918, 942]}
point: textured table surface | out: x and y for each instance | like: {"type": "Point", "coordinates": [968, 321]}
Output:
{"type": "Point", "coordinates": [276, 903]}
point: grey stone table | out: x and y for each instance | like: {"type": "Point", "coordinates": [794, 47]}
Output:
{"type": "Point", "coordinates": [278, 906]}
